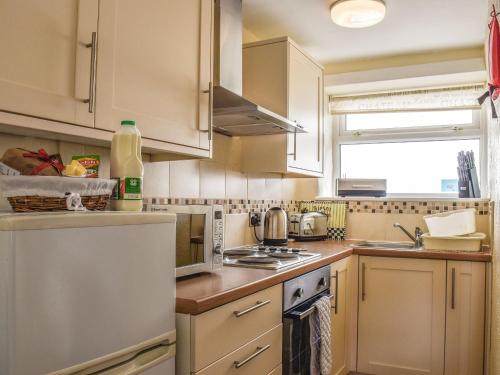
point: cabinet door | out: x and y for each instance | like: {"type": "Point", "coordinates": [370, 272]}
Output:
{"type": "Point", "coordinates": [343, 315]}
{"type": "Point", "coordinates": [401, 316]}
{"type": "Point", "coordinates": [465, 318]}
{"type": "Point", "coordinates": [155, 67]}
{"type": "Point", "coordinates": [305, 150]}
{"type": "Point", "coordinates": [45, 64]}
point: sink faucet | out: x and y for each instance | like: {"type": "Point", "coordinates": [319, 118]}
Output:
{"type": "Point", "coordinates": [417, 239]}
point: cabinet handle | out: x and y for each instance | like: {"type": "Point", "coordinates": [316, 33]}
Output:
{"type": "Point", "coordinates": [258, 305]}
{"type": "Point", "coordinates": [260, 350]}
{"type": "Point", "coordinates": [363, 277]}
{"type": "Point", "coordinates": [336, 291]}
{"type": "Point", "coordinates": [210, 92]}
{"type": "Point", "coordinates": [93, 62]}
{"type": "Point", "coordinates": [294, 153]}
{"type": "Point", "coordinates": [453, 288]}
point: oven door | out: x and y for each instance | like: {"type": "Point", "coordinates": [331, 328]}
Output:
{"type": "Point", "coordinates": [193, 239]}
{"type": "Point", "coordinates": [297, 337]}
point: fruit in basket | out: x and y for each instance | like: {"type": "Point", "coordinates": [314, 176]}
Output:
{"type": "Point", "coordinates": [75, 169]}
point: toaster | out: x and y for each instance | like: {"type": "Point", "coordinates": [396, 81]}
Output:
{"type": "Point", "coordinates": [308, 226]}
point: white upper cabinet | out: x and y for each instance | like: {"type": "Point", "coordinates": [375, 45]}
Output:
{"type": "Point", "coordinates": [94, 63]}
{"type": "Point", "coordinates": [280, 76]}
{"type": "Point", "coordinates": [155, 66]}
{"type": "Point", "coordinates": [45, 69]}
{"type": "Point", "coordinates": [305, 92]}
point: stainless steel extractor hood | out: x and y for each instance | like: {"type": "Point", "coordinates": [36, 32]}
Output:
{"type": "Point", "coordinates": [232, 113]}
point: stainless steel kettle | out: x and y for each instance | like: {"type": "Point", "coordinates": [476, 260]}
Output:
{"type": "Point", "coordinates": [275, 227]}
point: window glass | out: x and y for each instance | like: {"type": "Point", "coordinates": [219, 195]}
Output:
{"type": "Point", "coordinates": [423, 167]}
{"type": "Point", "coordinates": [395, 120]}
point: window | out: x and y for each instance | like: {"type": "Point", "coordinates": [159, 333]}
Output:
{"type": "Point", "coordinates": [416, 151]}
{"type": "Point", "coordinates": [412, 168]}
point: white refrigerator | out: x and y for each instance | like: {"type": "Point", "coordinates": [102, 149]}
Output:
{"type": "Point", "coordinates": [87, 293]}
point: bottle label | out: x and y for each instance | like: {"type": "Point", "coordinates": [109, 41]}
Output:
{"type": "Point", "coordinates": [128, 188]}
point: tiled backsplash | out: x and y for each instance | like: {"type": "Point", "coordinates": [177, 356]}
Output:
{"type": "Point", "coordinates": [423, 207]}
{"type": "Point", "coordinates": [231, 206]}
{"type": "Point", "coordinates": [417, 207]}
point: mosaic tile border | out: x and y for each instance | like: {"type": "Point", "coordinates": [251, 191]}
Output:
{"type": "Point", "coordinates": [422, 207]}
{"type": "Point", "coordinates": [417, 207]}
{"type": "Point", "coordinates": [231, 206]}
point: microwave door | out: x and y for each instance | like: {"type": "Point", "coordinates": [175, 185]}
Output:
{"type": "Point", "coordinates": [193, 239]}
{"type": "Point", "coordinates": [190, 240]}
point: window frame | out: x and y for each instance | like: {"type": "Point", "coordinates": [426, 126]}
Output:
{"type": "Point", "coordinates": [476, 130]}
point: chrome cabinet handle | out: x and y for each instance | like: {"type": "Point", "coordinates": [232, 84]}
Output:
{"type": "Point", "coordinates": [93, 62]}
{"type": "Point", "coordinates": [453, 288]}
{"type": "Point", "coordinates": [363, 277]}
{"type": "Point", "coordinates": [336, 291]}
{"type": "Point", "coordinates": [258, 305]}
{"type": "Point", "coordinates": [260, 350]}
{"type": "Point", "coordinates": [294, 153]}
{"type": "Point", "coordinates": [210, 92]}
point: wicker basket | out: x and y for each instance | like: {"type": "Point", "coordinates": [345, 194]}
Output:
{"type": "Point", "coordinates": [52, 193]}
{"type": "Point", "coordinates": [40, 204]}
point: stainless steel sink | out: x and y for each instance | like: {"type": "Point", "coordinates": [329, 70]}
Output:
{"type": "Point", "coordinates": [385, 245]}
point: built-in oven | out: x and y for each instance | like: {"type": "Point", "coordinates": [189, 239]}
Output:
{"type": "Point", "coordinates": [299, 296]}
{"type": "Point", "coordinates": [199, 237]}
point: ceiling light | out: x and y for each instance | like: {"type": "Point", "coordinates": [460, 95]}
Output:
{"type": "Point", "coordinates": [357, 13]}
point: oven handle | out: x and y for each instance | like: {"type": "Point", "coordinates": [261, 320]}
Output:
{"type": "Point", "coordinates": [305, 313]}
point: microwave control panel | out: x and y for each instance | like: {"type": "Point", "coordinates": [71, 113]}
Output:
{"type": "Point", "coordinates": [218, 232]}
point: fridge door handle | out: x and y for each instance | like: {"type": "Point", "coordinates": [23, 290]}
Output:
{"type": "Point", "coordinates": [140, 361]}
{"type": "Point", "coordinates": [129, 361]}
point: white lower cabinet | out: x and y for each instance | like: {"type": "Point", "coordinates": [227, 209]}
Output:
{"type": "Point", "coordinates": [241, 337]}
{"type": "Point", "coordinates": [401, 316]}
{"type": "Point", "coordinates": [260, 356]}
{"type": "Point", "coordinates": [343, 315]}
{"type": "Point", "coordinates": [421, 316]}
{"type": "Point", "coordinates": [465, 309]}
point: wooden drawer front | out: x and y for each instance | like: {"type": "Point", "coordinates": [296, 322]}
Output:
{"type": "Point", "coordinates": [219, 331]}
{"type": "Point", "coordinates": [277, 371]}
{"type": "Point", "coordinates": [259, 356]}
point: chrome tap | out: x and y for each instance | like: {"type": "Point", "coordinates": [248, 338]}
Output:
{"type": "Point", "coordinates": [417, 238]}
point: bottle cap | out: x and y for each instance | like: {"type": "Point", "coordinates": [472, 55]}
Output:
{"type": "Point", "coordinates": [128, 122]}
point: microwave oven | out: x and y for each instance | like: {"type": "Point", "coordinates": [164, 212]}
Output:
{"type": "Point", "coordinates": [199, 237]}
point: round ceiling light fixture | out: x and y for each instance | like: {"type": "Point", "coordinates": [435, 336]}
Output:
{"type": "Point", "coordinates": [357, 13]}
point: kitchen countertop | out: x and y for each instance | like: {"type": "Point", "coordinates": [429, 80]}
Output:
{"type": "Point", "coordinates": [200, 293]}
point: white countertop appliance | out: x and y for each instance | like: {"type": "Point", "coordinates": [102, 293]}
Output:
{"type": "Point", "coordinates": [87, 293]}
{"type": "Point", "coordinates": [199, 237]}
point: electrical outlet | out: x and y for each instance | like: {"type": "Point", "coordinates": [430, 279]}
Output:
{"type": "Point", "coordinates": [255, 219]}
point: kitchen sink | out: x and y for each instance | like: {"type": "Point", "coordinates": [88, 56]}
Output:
{"type": "Point", "coordinates": [385, 245]}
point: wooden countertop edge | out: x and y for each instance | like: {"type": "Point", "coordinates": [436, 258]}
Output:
{"type": "Point", "coordinates": [195, 307]}
{"type": "Point", "coordinates": [426, 254]}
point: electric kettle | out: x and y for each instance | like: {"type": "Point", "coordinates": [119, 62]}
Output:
{"type": "Point", "coordinates": [275, 227]}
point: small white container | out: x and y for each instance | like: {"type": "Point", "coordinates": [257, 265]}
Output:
{"type": "Point", "coordinates": [470, 242]}
{"type": "Point", "coordinates": [453, 223]}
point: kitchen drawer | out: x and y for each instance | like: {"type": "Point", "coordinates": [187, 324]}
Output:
{"type": "Point", "coordinates": [218, 332]}
{"type": "Point", "coordinates": [250, 363]}
{"type": "Point", "coordinates": [277, 371]}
